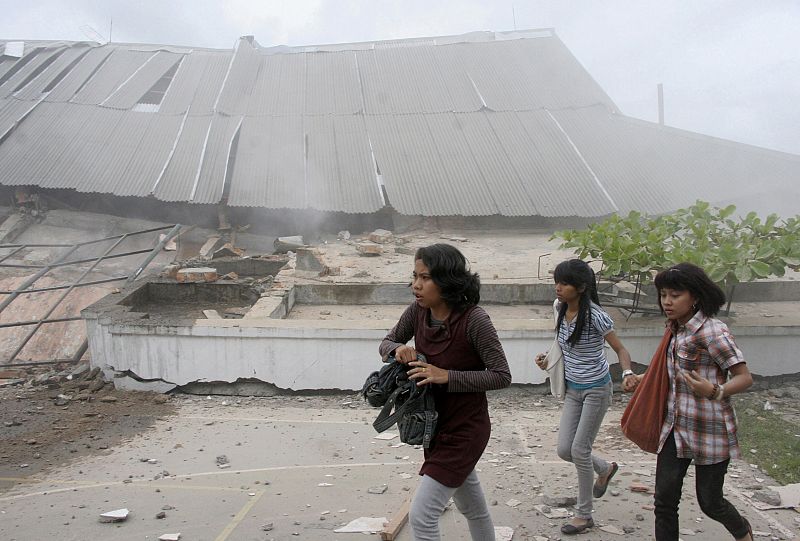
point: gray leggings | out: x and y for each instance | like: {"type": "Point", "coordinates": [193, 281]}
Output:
{"type": "Point", "coordinates": [431, 499]}
{"type": "Point", "coordinates": [581, 417]}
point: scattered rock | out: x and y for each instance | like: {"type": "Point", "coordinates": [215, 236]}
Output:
{"type": "Point", "coordinates": [118, 515]}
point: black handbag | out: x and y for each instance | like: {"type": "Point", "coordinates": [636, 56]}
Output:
{"type": "Point", "coordinates": [411, 406]}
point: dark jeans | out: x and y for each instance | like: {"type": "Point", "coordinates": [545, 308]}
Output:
{"type": "Point", "coordinates": [670, 471]}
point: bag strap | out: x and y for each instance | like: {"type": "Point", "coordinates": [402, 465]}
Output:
{"type": "Point", "coordinates": [386, 418]}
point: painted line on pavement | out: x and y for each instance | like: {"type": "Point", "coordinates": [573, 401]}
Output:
{"type": "Point", "coordinates": [239, 517]}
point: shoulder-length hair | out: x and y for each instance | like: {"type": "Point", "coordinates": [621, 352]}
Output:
{"type": "Point", "coordinates": [458, 286]}
{"type": "Point", "coordinates": [709, 297]}
{"type": "Point", "coordinates": [579, 275]}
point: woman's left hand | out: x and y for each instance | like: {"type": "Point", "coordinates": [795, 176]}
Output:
{"type": "Point", "coordinates": [425, 373]}
{"type": "Point", "coordinates": [699, 385]}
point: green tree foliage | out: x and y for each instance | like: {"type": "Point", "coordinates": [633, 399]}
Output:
{"type": "Point", "coordinates": [730, 250]}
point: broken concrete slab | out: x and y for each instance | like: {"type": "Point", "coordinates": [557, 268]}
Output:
{"type": "Point", "coordinates": [212, 314]}
{"type": "Point", "coordinates": [227, 250]}
{"type": "Point", "coordinates": [212, 244]}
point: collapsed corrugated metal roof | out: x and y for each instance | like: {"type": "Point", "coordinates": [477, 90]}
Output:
{"type": "Point", "coordinates": [479, 124]}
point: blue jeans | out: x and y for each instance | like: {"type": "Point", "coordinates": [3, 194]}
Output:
{"type": "Point", "coordinates": [581, 418]}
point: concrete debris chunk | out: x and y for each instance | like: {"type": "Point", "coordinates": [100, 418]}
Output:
{"type": "Point", "coordinates": [170, 537]}
{"type": "Point", "coordinates": [369, 248]}
{"type": "Point", "coordinates": [558, 512]}
{"type": "Point", "coordinates": [118, 515]}
{"type": "Point", "coordinates": [513, 503]}
{"type": "Point", "coordinates": [363, 525]}
{"type": "Point", "coordinates": [381, 236]}
{"type": "Point", "coordinates": [197, 275]}
{"type": "Point", "coordinates": [503, 533]}
{"type": "Point", "coordinates": [227, 250]}
{"type": "Point", "coordinates": [223, 462]}
{"type": "Point", "coordinates": [212, 314]}
{"type": "Point", "coordinates": [210, 246]}
{"type": "Point", "coordinates": [288, 244]}
{"type": "Point", "coordinates": [378, 490]}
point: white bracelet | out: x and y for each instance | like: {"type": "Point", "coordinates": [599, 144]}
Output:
{"type": "Point", "coordinates": [720, 393]}
{"type": "Point", "coordinates": [626, 373]}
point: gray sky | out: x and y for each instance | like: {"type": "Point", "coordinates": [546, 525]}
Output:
{"type": "Point", "coordinates": [729, 68]}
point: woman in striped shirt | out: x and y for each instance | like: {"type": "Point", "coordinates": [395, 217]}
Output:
{"type": "Point", "coordinates": [464, 359]}
{"type": "Point", "coordinates": [583, 328]}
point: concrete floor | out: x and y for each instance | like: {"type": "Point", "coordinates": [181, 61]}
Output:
{"type": "Point", "coordinates": [305, 465]}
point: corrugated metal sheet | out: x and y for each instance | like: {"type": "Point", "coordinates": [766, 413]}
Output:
{"type": "Point", "coordinates": [80, 74]}
{"type": "Point", "coordinates": [181, 172]}
{"type": "Point", "coordinates": [654, 169]}
{"type": "Point", "coordinates": [240, 80]}
{"type": "Point", "coordinates": [206, 140]}
{"type": "Point", "coordinates": [215, 159]}
{"type": "Point", "coordinates": [197, 83]}
{"type": "Point", "coordinates": [332, 83]}
{"type": "Point", "coordinates": [32, 63]}
{"type": "Point", "coordinates": [139, 174]}
{"type": "Point", "coordinates": [340, 174]}
{"type": "Point", "coordinates": [517, 164]}
{"type": "Point", "coordinates": [11, 110]}
{"type": "Point", "coordinates": [280, 86]}
{"type": "Point", "coordinates": [269, 169]}
{"type": "Point", "coordinates": [34, 88]}
{"type": "Point", "coordinates": [478, 124]}
{"type": "Point", "coordinates": [127, 95]}
{"type": "Point", "coordinates": [120, 66]}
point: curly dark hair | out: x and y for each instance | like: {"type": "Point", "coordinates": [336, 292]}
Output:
{"type": "Point", "coordinates": [579, 275]}
{"type": "Point", "coordinates": [458, 286]}
{"type": "Point", "coordinates": [689, 277]}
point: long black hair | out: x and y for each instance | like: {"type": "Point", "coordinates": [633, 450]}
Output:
{"type": "Point", "coordinates": [579, 275]}
{"type": "Point", "coordinates": [709, 297]}
{"type": "Point", "coordinates": [458, 286]}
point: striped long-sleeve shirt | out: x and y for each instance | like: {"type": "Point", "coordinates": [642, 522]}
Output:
{"type": "Point", "coordinates": [482, 337]}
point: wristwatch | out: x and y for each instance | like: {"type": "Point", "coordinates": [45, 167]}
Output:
{"type": "Point", "coordinates": [626, 373]}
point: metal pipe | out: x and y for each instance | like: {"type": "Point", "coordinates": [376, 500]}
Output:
{"type": "Point", "coordinates": [154, 252]}
{"type": "Point", "coordinates": [54, 288]}
{"type": "Point", "coordinates": [38, 322]}
{"type": "Point", "coordinates": [30, 281]}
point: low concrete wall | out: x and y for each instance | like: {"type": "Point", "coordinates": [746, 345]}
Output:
{"type": "Point", "coordinates": [303, 355]}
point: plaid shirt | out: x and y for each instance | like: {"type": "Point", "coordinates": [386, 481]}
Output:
{"type": "Point", "coordinates": [704, 429]}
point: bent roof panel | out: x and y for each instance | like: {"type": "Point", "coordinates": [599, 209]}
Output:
{"type": "Point", "coordinates": [269, 170]}
{"type": "Point", "coordinates": [31, 65]}
{"type": "Point", "coordinates": [11, 110]}
{"type": "Point", "coordinates": [78, 76]}
{"type": "Point", "coordinates": [127, 95]}
{"type": "Point", "coordinates": [197, 83]}
{"type": "Point", "coordinates": [215, 160]}
{"type": "Point", "coordinates": [148, 158]}
{"type": "Point", "coordinates": [33, 90]}
{"type": "Point", "coordinates": [339, 169]}
{"type": "Point", "coordinates": [121, 65]}
{"type": "Point", "coordinates": [656, 169]}
{"type": "Point", "coordinates": [240, 81]}
{"type": "Point", "coordinates": [179, 176]}
{"type": "Point", "coordinates": [508, 187]}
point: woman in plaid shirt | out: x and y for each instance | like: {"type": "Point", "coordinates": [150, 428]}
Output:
{"type": "Point", "coordinates": [705, 368]}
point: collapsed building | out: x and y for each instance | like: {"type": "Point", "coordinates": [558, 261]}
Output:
{"type": "Point", "coordinates": [482, 130]}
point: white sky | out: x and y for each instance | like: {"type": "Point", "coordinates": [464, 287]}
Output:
{"type": "Point", "coordinates": [729, 68]}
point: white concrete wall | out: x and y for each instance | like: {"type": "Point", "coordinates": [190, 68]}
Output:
{"type": "Point", "coordinates": [301, 355]}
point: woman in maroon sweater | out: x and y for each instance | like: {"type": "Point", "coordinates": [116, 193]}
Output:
{"type": "Point", "coordinates": [464, 359]}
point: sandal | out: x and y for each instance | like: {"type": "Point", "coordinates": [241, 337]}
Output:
{"type": "Point", "coordinates": [600, 488]}
{"type": "Point", "coordinates": [571, 529]}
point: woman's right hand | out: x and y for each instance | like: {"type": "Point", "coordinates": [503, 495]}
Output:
{"type": "Point", "coordinates": [405, 354]}
{"type": "Point", "coordinates": [540, 360]}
